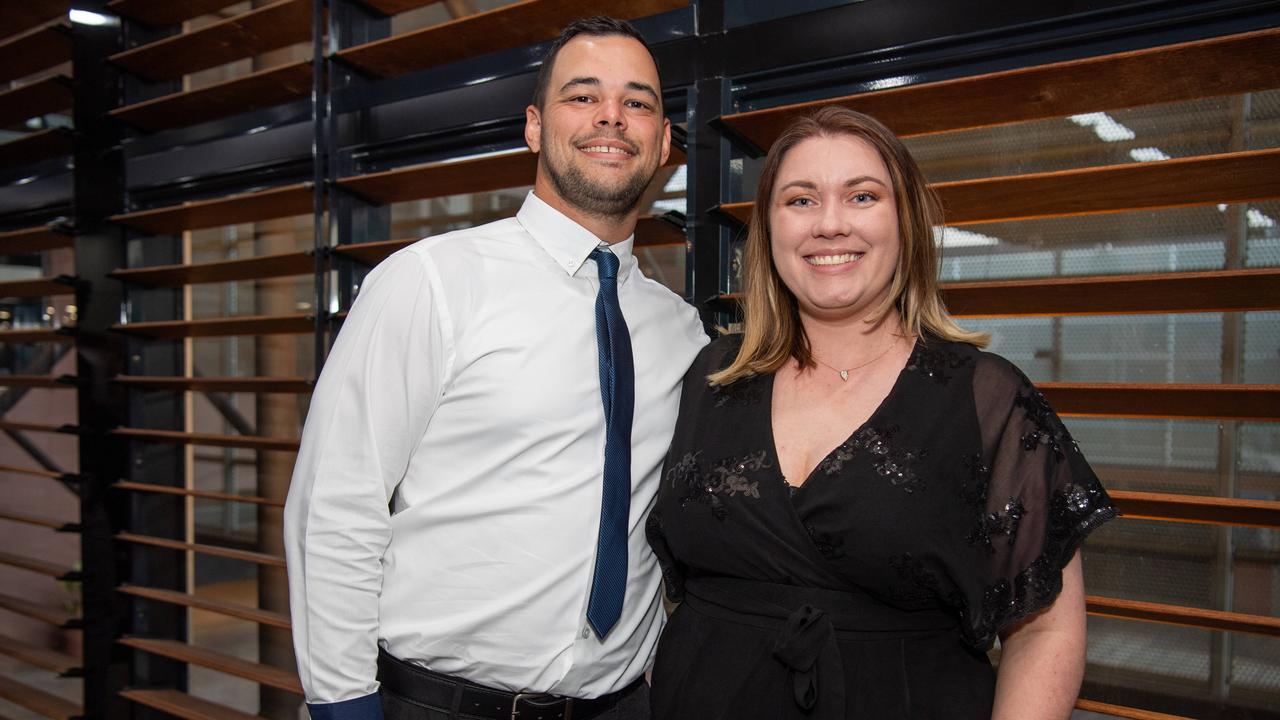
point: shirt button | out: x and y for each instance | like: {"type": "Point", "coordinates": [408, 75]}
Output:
{"type": "Point", "coordinates": [586, 633]}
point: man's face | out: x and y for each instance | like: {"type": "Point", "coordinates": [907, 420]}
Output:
{"type": "Point", "coordinates": [600, 134]}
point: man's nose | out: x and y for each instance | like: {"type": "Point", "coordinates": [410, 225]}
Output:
{"type": "Point", "coordinates": [610, 114]}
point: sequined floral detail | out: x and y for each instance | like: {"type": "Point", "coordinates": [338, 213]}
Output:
{"type": "Point", "coordinates": [923, 584]}
{"type": "Point", "coordinates": [744, 392]}
{"type": "Point", "coordinates": [973, 489]}
{"type": "Point", "coordinates": [1002, 523]}
{"type": "Point", "coordinates": [832, 464]}
{"type": "Point", "coordinates": [672, 580]}
{"type": "Point", "coordinates": [936, 363]}
{"type": "Point", "coordinates": [829, 546]}
{"type": "Point", "coordinates": [891, 460]}
{"type": "Point", "coordinates": [1049, 430]}
{"type": "Point", "coordinates": [1075, 510]}
{"type": "Point", "coordinates": [726, 478]}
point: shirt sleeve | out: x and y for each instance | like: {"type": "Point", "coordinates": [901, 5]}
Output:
{"type": "Point", "coordinates": [379, 387]}
{"type": "Point", "coordinates": [1037, 497]}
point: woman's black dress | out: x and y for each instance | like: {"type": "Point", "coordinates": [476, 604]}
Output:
{"type": "Point", "coordinates": [873, 590]}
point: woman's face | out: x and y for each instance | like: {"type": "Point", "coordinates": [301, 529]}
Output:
{"type": "Point", "coordinates": [834, 223]}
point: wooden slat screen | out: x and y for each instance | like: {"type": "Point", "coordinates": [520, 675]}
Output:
{"type": "Point", "coordinates": [1205, 68]}
{"type": "Point", "coordinates": [257, 31]}
{"type": "Point", "coordinates": [37, 49]}
{"type": "Point", "coordinates": [261, 89]}
{"type": "Point", "coordinates": [511, 26]}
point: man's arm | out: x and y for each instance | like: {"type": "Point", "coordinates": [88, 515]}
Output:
{"type": "Point", "coordinates": [379, 387]}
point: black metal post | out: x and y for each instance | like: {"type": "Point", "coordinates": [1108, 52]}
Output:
{"type": "Point", "coordinates": [99, 248]}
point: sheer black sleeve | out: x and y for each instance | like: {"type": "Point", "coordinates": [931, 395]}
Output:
{"type": "Point", "coordinates": [1041, 500]}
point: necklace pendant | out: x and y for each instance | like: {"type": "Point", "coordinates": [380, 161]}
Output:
{"type": "Point", "coordinates": [844, 375]}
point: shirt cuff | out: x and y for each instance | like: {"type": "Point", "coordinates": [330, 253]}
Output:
{"type": "Point", "coordinates": [368, 707]}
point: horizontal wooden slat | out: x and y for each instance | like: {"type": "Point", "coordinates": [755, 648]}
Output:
{"type": "Point", "coordinates": [203, 549]}
{"type": "Point", "coordinates": [1184, 616]}
{"type": "Point", "coordinates": [30, 240]}
{"type": "Point", "coordinates": [38, 701]}
{"type": "Point", "coordinates": [219, 384]}
{"type": "Point", "coordinates": [43, 97]}
{"type": "Point", "coordinates": [37, 49]}
{"type": "Point", "coordinates": [658, 231]}
{"type": "Point", "coordinates": [1240, 177]}
{"type": "Point", "coordinates": [451, 177]}
{"type": "Point", "coordinates": [262, 89]}
{"type": "Point", "coordinates": [37, 287]}
{"type": "Point", "coordinates": [162, 13]}
{"type": "Point", "coordinates": [252, 442]}
{"type": "Point", "coordinates": [37, 520]}
{"type": "Point", "coordinates": [182, 705]}
{"type": "Point", "coordinates": [1192, 292]}
{"type": "Point", "coordinates": [255, 32]}
{"type": "Point", "coordinates": [33, 335]}
{"type": "Point", "coordinates": [38, 566]}
{"type": "Point", "coordinates": [246, 207]}
{"type": "Point", "coordinates": [221, 662]}
{"type": "Point", "coordinates": [52, 615]}
{"type": "Point", "coordinates": [22, 16]}
{"type": "Point", "coordinates": [395, 7]}
{"type": "Point", "coordinates": [1122, 711]}
{"type": "Point", "coordinates": [650, 232]}
{"type": "Point", "coordinates": [40, 381]}
{"type": "Point", "coordinates": [37, 472]}
{"type": "Point", "coordinates": [1197, 509]}
{"type": "Point", "coordinates": [262, 266]}
{"type": "Point", "coordinates": [511, 26]}
{"type": "Point", "coordinates": [1203, 68]}
{"type": "Point", "coordinates": [41, 657]}
{"type": "Point", "coordinates": [371, 253]}
{"type": "Point", "coordinates": [32, 427]}
{"type": "Point", "coordinates": [494, 171]}
{"type": "Point", "coordinates": [219, 327]}
{"type": "Point", "coordinates": [1165, 400]}
{"type": "Point", "coordinates": [36, 146]}
{"type": "Point", "coordinates": [190, 492]}
{"type": "Point", "coordinates": [262, 617]}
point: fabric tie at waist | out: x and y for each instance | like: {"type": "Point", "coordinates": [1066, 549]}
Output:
{"type": "Point", "coordinates": [808, 622]}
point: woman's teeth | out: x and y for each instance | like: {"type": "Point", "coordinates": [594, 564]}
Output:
{"type": "Point", "coordinates": [832, 259]}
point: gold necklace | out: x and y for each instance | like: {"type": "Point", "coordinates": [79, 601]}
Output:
{"type": "Point", "coordinates": [844, 374]}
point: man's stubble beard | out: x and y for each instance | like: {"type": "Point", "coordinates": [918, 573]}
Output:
{"type": "Point", "coordinates": [592, 198]}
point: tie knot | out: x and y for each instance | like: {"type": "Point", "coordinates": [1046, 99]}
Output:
{"type": "Point", "coordinates": [606, 263]}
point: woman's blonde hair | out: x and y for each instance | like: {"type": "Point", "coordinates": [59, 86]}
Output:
{"type": "Point", "coordinates": [772, 332]}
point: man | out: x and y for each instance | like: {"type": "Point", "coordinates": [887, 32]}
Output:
{"type": "Point", "coordinates": [483, 386]}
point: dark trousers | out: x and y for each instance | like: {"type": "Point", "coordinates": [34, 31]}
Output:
{"type": "Point", "coordinates": [632, 706]}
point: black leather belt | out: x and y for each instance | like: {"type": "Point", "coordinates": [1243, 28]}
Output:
{"type": "Point", "coordinates": [468, 700]}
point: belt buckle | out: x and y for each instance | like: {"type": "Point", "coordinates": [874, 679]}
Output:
{"type": "Point", "coordinates": [515, 705]}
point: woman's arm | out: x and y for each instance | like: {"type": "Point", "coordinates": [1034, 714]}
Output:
{"type": "Point", "coordinates": [1042, 658]}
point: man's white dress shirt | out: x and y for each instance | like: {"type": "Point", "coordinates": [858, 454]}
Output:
{"type": "Point", "coordinates": [464, 392]}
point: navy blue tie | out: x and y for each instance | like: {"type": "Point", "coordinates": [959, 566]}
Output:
{"type": "Point", "coordinates": [617, 391]}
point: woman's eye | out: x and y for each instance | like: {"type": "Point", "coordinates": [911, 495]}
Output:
{"type": "Point", "coordinates": [800, 201]}
{"type": "Point", "coordinates": [864, 197]}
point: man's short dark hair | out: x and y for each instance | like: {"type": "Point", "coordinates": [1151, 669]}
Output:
{"type": "Point", "coordinates": [596, 26]}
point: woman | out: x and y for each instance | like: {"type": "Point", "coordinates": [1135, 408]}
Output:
{"type": "Point", "coordinates": [858, 501]}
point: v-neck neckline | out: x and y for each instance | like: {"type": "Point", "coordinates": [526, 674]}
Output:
{"type": "Point", "coordinates": [773, 441]}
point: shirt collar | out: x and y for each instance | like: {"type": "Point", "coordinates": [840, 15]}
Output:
{"type": "Point", "coordinates": [568, 243]}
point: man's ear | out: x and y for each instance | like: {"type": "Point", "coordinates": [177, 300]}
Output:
{"type": "Point", "coordinates": [666, 141]}
{"type": "Point", "coordinates": [533, 128]}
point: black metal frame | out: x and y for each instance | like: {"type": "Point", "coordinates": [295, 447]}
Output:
{"type": "Point", "coordinates": [712, 65]}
